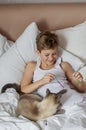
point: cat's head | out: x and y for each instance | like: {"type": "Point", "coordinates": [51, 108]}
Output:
{"type": "Point", "coordinates": [55, 96]}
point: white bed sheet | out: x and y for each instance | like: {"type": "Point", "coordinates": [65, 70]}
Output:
{"type": "Point", "coordinates": [73, 119]}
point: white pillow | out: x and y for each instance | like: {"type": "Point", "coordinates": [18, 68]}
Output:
{"type": "Point", "coordinates": [12, 63]}
{"type": "Point", "coordinates": [73, 60]}
{"type": "Point", "coordinates": [5, 44]}
{"type": "Point", "coordinates": [73, 39]}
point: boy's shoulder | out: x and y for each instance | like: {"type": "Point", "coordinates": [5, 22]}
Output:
{"type": "Point", "coordinates": [65, 65]}
{"type": "Point", "coordinates": [31, 64]}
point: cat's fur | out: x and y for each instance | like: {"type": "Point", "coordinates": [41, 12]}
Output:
{"type": "Point", "coordinates": [12, 85]}
{"type": "Point", "coordinates": [35, 107]}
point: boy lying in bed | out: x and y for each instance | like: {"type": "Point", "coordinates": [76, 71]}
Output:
{"type": "Point", "coordinates": [49, 71]}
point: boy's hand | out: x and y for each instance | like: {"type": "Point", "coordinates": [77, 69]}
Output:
{"type": "Point", "coordinates": [47, 78]}
{"type": "Point", "coordinates": [80, 85]}
{"type": "Point", "coordinates": [77, 76]}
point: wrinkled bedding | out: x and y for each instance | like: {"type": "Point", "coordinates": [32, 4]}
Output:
{"type": "Point", "coordinates": [73, 118]}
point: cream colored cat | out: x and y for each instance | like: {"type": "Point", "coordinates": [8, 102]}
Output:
{"type": "Point", "coordinates": [34, 107]}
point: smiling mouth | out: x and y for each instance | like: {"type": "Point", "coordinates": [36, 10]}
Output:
{"type": "Point", "coordinates": [51, 61]}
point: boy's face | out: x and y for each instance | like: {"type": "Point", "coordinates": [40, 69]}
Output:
{"type": "Point", "coordinates": [48, 56]}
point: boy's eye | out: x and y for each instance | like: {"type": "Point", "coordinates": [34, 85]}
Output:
{"type": "Point", "coordinates": [54, 54]}
{"type": "Point", "coordinates": [47, 55]}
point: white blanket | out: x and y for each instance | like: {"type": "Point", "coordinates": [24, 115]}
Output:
{"type": "Point", "coordinates": [73, 119]}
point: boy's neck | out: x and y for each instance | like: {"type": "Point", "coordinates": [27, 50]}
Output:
{"type": "Point", "coordinates": [46, 67]}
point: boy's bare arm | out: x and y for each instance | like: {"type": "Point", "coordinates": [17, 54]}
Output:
{"type": "Point", "coordinates": [74, 77]}
{"type": "Point", "coordinates": [26, 84]}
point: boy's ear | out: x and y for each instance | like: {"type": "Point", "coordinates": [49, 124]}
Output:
{"type": "Point", "coordinates": [38, 52]}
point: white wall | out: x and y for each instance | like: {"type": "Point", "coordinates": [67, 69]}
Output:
{"type": "Point", "coordinates": [41, 1]}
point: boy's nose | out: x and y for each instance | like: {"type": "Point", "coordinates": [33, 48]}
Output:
{"type": "Point", "coordinates": [51, 58]}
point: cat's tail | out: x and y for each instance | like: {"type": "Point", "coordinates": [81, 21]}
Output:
{"type": "Point", "coordinates": [12, 85]}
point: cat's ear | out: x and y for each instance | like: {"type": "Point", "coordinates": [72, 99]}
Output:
{"type": "Point", "coordinates": [59, 94]}
{"type": "Point", "coordinates": [47, 92]}
{"type": "Point", "coordinates": [62, 91]}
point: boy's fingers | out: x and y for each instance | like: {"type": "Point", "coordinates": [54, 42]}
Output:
{"type": "Point", "coordinates": [77, 74]}
{"type": "Point", "coordinates": [51, 75]}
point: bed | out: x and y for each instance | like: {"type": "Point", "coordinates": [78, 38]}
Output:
{"type": "Point", "coordinates": [19, 26]}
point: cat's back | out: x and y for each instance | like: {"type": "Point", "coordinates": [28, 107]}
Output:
{"type": "Point", "coordinates": [28, 103]}
{"type": "Point", "coordinates": [30, 97]}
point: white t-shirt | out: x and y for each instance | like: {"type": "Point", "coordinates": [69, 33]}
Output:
{"type": "Point", "coordinates": [60, 82]}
